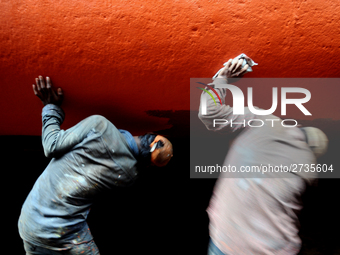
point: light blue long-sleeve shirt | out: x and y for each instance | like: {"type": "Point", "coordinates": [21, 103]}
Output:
{"type": "Point", "coordinates": [88, 158]}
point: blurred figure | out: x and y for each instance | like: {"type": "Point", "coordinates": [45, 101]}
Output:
{"type": "Point", "coordinates": [252, 213]}
{"type": "Point", "coordinates": [88, 159]}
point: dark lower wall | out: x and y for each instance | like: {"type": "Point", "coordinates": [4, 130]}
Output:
{"type": "Point", "coordinates": [150, 217]}
{"type": "Point", "coordinates": [164, 212]}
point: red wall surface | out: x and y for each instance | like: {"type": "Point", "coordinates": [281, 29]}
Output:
{"type": "Point", "coordinates": [121, 58]}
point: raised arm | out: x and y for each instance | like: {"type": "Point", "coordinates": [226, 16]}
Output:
{"type": "Point", "coordinates": [229, 122]}
{"type": "Point", "coordinates": [56, 141]}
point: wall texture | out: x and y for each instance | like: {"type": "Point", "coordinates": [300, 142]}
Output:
{"type": "Point", "coordinates": [121, 58]}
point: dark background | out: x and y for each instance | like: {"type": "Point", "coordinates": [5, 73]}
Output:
{"type": "Point", "coordinates": [149, 217]}
{"type": "Point", "coordinates": [164, 212]}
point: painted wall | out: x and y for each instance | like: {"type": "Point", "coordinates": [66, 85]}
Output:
{"type": "Point", "coordinates": [121, 58]}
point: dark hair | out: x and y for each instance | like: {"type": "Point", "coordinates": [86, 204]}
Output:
{"type": "Point", "coordinates": [145, 141]}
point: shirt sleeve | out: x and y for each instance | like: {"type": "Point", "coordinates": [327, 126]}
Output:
{"type": "Point", "coordinates": [220, 117]}
{"type": "Point", "coordinates": [56, 141]}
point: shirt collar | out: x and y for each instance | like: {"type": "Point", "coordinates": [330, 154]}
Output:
{"type": "Point", "coordinates": [131, 142]}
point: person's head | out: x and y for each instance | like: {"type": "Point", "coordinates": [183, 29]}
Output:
{"type": "Point", "coordinates": [155, 149]}
{"type": "Point", "coordinates": [316, 139]}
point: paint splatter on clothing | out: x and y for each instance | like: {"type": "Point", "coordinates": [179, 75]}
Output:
{"type": "Point", "coordinates": [89, 248]}
{"type": "Point", "coordinates": [251, 212]}
{"type": "Point", "coordinates": [88, 159]}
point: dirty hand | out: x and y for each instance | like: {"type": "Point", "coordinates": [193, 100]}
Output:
{"type": "Point", "coordinates": [45, 92]}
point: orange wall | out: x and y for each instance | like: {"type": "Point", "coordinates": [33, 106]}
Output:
{"type": "Point", "coordinates": [120, 58]}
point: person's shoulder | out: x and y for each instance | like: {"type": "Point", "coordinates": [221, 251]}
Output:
{"type": "Point", "coordinates": [97, 118]}
{"type": "Point", "coordinates": [97, 122]}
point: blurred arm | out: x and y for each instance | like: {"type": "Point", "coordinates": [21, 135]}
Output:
{"type": "Point", "coordinates": [222, 115]}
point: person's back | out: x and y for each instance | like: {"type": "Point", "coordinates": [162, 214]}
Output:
{"type": "Point", "coordinates": [54, 213]}
{"type": "Point", "coordinates": [254, 211]}
{"type": "Point", "coordinates": [88, 158]}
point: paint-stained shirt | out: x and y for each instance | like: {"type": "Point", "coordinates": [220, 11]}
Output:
{"type": "Point", "coordinates": [89, 158]}
{"type": "Point", "coordinates": [252, 212]}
